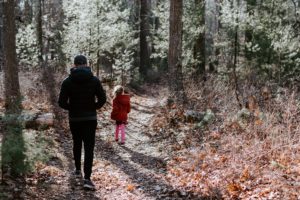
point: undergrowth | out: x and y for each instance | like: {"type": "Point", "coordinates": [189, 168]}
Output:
{"type": "Point", "coordinates": [243, 153]}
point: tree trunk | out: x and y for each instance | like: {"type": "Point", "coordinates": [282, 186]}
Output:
{"type": "Point", "coordinates": [39, 29]}
{"type": "Point", "coordinates": [27, 12]}
{"type": "Point", "coordinates": [236, 49]}
{"type": "Point", "coordinates": [249, 31]}
{"type": "Point", "coordinates": [199, 47]}
{"type": "Point", "coordinates": [57, 19]}
{"type": "Point", "coordinates": [98, 43]}
{"type": "Point", "coordinates": [145, 63]}
{"type": "Point", "coordinates": [136, 28]}
{"type": "Point", "coordinates": [12, 157]}
{"type": "Point", "coordinates": [235, 59]}
{"type": "Point", "coordinates": [1, 37]}
{"type": "Point", "coordinates": [11, 78]}
{"type": "Point", "coordinates": [175, 52]}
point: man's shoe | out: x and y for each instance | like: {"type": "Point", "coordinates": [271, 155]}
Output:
{"type": "Point", "coordinates": [77, 174]}
{"type": "Point", "coordinates": [88, 185]}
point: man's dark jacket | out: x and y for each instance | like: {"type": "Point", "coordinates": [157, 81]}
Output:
{"type": "Point", "coordinates": [79, 92]}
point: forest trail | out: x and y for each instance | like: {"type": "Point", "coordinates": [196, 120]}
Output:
{"type": "Point", "coordinates": [135, 170]}
{"type": "Point", "coordinates": [150, 165]}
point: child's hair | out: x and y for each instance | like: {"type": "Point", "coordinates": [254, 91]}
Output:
{"type": "Point", "coordinates": [118, 90]}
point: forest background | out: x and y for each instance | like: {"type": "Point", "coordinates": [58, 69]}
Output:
{"type": "Point", "coordinates": [226, 72]}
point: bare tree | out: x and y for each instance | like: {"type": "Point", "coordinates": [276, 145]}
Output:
{"type": "Point", "coordinates": [175, 52]}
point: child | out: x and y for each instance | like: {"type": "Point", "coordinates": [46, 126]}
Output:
{"type": "Point", "coordinates": [121, 107]}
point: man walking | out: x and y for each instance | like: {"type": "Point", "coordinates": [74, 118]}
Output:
{"type": "Point", "coordinates": [81, 94]}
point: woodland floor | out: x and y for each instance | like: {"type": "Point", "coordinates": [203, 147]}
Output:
{"type": "Point", "coordinates": [133, 171]}
{"type": "Point", "coordinates": [136, 170]}
{"type": "Point", "coordinates": [153, 164]}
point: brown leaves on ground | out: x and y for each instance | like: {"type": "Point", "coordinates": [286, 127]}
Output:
{"type": "Point", "coordinates": [256, 158]}
{"type": "Point", "coordinates": [232, 170]}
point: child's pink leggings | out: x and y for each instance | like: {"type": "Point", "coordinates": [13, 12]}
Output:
{"type": "Point", "coordinates": [120, 127]}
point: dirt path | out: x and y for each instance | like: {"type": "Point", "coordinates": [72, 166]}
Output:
{"type": "Point", "coordinates": [135, 170]}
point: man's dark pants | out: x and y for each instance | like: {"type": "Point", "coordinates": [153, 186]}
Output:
{"type": "Point", "coordinates": [84, 131]}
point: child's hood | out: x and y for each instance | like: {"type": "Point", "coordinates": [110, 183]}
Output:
{"type": "Point", "coordinates": [123, 99]}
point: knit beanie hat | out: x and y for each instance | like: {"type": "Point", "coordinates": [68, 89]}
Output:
{"type": "Point", "coordinates": [80, 60]}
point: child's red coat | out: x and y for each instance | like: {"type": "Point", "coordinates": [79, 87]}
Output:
{"type": "Point", "coordinates": [121, 107]}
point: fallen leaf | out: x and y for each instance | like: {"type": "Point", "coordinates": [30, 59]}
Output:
{"type": "Point", "coordinates": [215, 135]}
{"type": "Point", "coordinates": [130, 187]}
{"type": "Point", "coordinates": [204, 166]}
{"type": "Point", "coordinates": [234, 189]}
{"type": "Point", "coordinates": [258, 122]}
{"type": "Point", "coordinates": [223, 159]}
{"type": "Point", "coordinates": [197, 176]}
{"type": "Point", "coordinates": [265, 191]}
{"type": "Point", "coordinates": [245, 175]}
{"type": "Point", "coordinates": [202, 156]}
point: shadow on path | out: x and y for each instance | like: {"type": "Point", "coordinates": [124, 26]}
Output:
{"type": "Point", "coordinates": [149, 110]}
{"type": "Point", "coordinates": [148, 162]}
{"type": "Point", "coordinates": [143, 106]}
{"type": "Point", "coordinates": [151, 184]}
